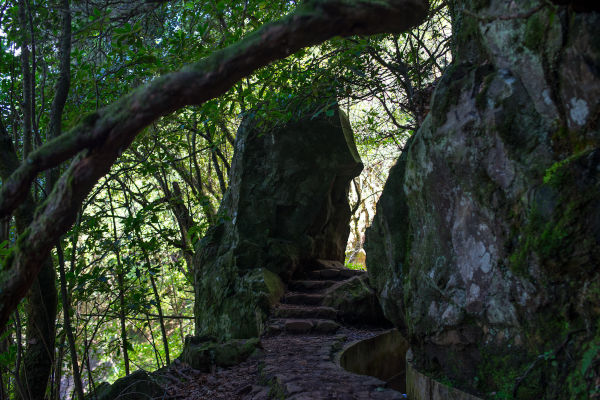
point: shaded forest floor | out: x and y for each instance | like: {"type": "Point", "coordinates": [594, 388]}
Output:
{"type": "Point", "coordinates": [299, 353]}
{"type": "Point", "coordinates": [298, 367]}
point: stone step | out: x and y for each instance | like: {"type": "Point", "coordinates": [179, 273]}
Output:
{"type": "Point", "coordinates": [334, 274]}
{"type": "Point", "coordinates": [310, 286]}
{"type": "Point", "coordinates": [349, 273]}
{"type": "Point", "coordinates": [311, 299]}
{"type": "Point", "coordinates": [323, 264]}
{"type": "Point", "coordinates": [324, 274]}
{"type": "Point", "coordinates": [295, 311]}
{"type": "Point", "coordinates": [300, 326]}
{"type": "Point", "coordinates": [325, 326]}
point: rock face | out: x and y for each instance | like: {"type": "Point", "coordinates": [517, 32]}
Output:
{"type": "Point", "coordinates": [205, 353]}
{"type": "Point", "coordinates": [355, 302]}
{"type": "Point", "coordinates": [486, 244]}
{"type": "Point", "coordinates": [138, 385]}
{"type": "Point", "coordinates": [287, 203]}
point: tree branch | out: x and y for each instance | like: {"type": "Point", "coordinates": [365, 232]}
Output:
{"type": "Point", "coordinates": [312, 23]}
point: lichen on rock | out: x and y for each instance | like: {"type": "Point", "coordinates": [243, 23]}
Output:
{"type": "Point", "coordinates": [484, 248]}
{"type": "Point", "coordinates": [287, 204]}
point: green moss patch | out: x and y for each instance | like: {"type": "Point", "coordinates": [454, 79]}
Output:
{"type": "Point", "coordinates": [275, 286]}
{"type": "Point", "coordinates": [557, 231]}
{"type": "Point", "coordinates": [203, 353]}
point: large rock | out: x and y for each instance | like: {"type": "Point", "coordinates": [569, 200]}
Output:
{"type": "Point", "coordinates": [204, 353]}
{"type": "Point", "coordinates": [287, 203]}
{"type": "Point", "coordinates": [355, 302]}
{"type": "Point", "coordinates": [486, 244]}
{"type": "Point", "coordinates": [138, 385]}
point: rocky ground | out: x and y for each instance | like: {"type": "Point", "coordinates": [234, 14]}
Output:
{"type": "Point", "coordinates": [298, 357]}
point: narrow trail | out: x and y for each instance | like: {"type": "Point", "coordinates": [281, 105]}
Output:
{"type": "Point", "coordinates": [300, 346]}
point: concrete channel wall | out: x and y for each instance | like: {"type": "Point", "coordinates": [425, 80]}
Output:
{"type": "Point", "coordinates": [382, 357]}
{"type": "Point", "coordinates": [421, 387]}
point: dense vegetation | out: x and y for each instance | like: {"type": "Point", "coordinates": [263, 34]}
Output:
{"type": "Point", "coordinates": [116, 292]}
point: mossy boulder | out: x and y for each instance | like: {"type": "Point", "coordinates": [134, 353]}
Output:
{"type": "Point", "coordinates": [204, 353]}
{"type": "Point", "coordinates": [486, 243]}
{"type": "Point", "coordinates": [355, 302]}
{"type": "Point", "coordinates": [287, 203]}
{"type": "Point", "coordinates": [138, 385]}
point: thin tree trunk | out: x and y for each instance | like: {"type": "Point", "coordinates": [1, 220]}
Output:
{"type": "Point", "coordinates": [58, 368]}
{"type": "Point", "coordinates": [33, 68]}
{"type": "Point", "coordinates": [124, 341]}
{"type": "Point", "coordinates": [183, 218]}
{"type": "Point", "coordinates": [176, 309]}
{"type": "Point", "coordinates": [19, 389]}
{"type": "Point", "coordinates": [36, 365]}
{"type": "Point", "coordinates": [4, 346]}
{"type": "Point", "coordinates": [26, 72]}
{"type": "Point", "coordinates": [152, 281]}
{"type": "Point", "coordinates": [64, 79]}
{"type": "Point", "coordinates": [88, 367]}
{"type": "Point", "coordinates": [12, 95]}
{"type": "Point", "coordinates": [4, 230]}
{"type": "Point", "coordinates": [161, 319]}
{"type": "Point", "coordinates": [153, 342]}
{"type": "Point", "coordinates": [42, 298]}
{"type": "Point", "coordinates": [40, 310]}
{"type": "Point", "coordinates": [214, 151]}
{"type": "Point", "coordinates": [121, 287]}
{"type": "Point", "coordinates": [68, 327]}
{"type": "Point", "coordinates": [41, 318]}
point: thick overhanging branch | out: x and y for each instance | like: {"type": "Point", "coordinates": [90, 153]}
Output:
{"type": "Point", "coordinates": [102, 137]}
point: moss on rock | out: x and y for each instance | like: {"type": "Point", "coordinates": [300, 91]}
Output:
{"type": "Point", "coordinates": [356, 302]}
{"type": "Point", "coordinates": [287, 203]}
{"type": "Point", "coordinates": [204, 353]}
{"type": "Point", "coordinates": [138, 385]}
{"type": "Point", "coordinates": [486, 241]}
{"type": "Point", "coordinates": [275, 286]}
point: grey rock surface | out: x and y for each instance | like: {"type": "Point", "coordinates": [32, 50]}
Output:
{"type": "Point", "coordinates": [287, 202]}
{"type": "Point", "coordinates": [206, 353]}
{"type": "Point", "coordinates": [486, 244]}
{"type": "Point", "coordinates": [138, 385]}
{"type": "Point", "coordinates": [355, 302]}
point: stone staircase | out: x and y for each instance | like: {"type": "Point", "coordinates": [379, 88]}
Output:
{"type": "Point", "coordinates": [304, 337]}
{"type": "Point", "coordinates": [301, 309]}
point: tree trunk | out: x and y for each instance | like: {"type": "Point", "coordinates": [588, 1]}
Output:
{"type": "Point", "coordinates": [42, 297]}
{"type": "Point", "coordinates": [68, 327]}
{"type": "Point", "coordinates": [121, 287]}
{"type": "Point", "coordinates": [4, 346]}
{"type": "Point", "coordinates": [153, 282]}
{"type": "Point", "coordinates": [58, 368]}
{"type": "Point", "coordinates": [26, 72]}
{"type": "Point", "coordinates": [41, 318]}
{"type": "Point", "coordinates": [161, 319]}
{"type": "Point", "coordinates": [19, 389]}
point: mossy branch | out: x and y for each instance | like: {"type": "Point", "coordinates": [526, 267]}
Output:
{"type": "Point", "coordinates": [312, 23]}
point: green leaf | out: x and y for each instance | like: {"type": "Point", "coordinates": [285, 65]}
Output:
{"type": "Point", "coordinates": [588, 357]}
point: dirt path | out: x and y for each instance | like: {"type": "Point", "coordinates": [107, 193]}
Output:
{"type": "Point", "coordinates": [298, 361]}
